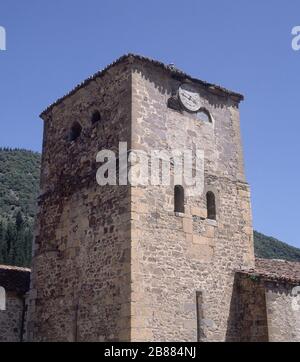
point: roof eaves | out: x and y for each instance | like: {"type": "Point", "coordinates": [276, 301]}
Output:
{"type": "Point", "coordinates": [216, 89]}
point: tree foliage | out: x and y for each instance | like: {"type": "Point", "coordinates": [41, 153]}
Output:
{"type": "Point", "coordinates": [19, 185]}
{"type": "Point", "coordinates": [19, 182]}
{"type": "Point", "coordinates": [16, 242]}
{"type": "Point", "coordinates": [271, 248]}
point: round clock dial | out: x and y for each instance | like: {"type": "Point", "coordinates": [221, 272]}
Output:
{"type": "Point", "coordinates": [189, 97]}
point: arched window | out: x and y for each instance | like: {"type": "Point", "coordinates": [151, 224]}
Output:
{"type": "Point", "coordinates": [179, 198]}
{"type": "Point", "coordinates": [96, 117]}
{"type": "Point", "coordinates": [204, 116]}
{"type": "Point", "coordinates": [75, 131]}
{"type": "Point", "coordinates": [2, 299]}
{"type": "Point", "coordinates": [211, 205]}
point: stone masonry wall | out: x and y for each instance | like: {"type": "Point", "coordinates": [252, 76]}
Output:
{"type": "Point", "coordinates": [248, 314]}
{"type": "Point", "coordinates": [11, 318]}
{"type": "Point", "coordinates": [283, 321]}
{"type": "Point", "coordinates": [176, 255]}
{"type": "Point", "coordinates": [116, 263]}
{"type": "Point", "coordinates": [263, 311]}
{"type": "Point", "coordinates": [80, 284]}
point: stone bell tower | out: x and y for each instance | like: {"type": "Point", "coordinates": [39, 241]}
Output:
{"type": "Point", "coordinates": [139, 263]}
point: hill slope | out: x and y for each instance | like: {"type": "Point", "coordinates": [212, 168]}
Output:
{"type": "Point", "coordinates": [271, 248]}
{"type": "Point", "coordinates": [19, 183]}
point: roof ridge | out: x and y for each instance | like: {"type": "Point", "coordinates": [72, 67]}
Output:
{"type": "Point", "coordinates": [171, 68]}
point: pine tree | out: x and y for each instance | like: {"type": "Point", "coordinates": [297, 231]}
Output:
{"type": "Point", "coordinates": [19, 220]}
{"type": "Point", "coordinates": [10, 238]}
{"type": "Point", "coordinates": [28, 239]}
{"type": "Point", "coordinates": [19, 247]}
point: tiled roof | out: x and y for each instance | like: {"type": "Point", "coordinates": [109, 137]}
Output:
{"type": "Point", "coordinates": [14, 279]}
{"type": "Point", "coordinates": [169, 68]}
{"type": "Point", "coordinates": [276, 270]}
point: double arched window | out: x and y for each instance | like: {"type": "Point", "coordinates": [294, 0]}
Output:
{"type": "Point", "coordinates": [76, 128]}
{"type": "Point", "coordinates": [210, 202]}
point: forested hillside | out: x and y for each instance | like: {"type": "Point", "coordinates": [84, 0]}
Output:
{"type": "Point", "coordinates": [271, 248]}
{"type": "Point", "coordinates": [19, 184]}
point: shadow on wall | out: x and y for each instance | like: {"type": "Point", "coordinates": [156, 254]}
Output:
{"type": "Point", "coordinates": [247, 320]}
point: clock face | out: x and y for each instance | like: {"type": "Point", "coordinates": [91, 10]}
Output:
{"type": "Point", "coordinates": [189, 97]}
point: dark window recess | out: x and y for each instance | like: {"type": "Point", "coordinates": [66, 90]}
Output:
{"type": "Point", "coordinates": [211, 205]}
{"type": "Point", "coordinates": [96, 117]}
{"type": "Point", "coordinates": [179, 198]}
{"type": "Point", "coordinates": [75, 131]}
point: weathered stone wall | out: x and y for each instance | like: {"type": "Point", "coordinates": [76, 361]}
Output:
{"type": "Point", "coordinates": [116, 263]}
{"type": "Point", "coordinates": [248, 313]}
{"type": "Point", "coordinates": [80, 284]}
{"type": "Point", "coordinates": [176, 255]}
{"type": "Point", "coordinates": [262, 310]}
{"type": "Point", "coordinates": [283, 320]}
{"type": "Point", "coordinates": [11, 318]}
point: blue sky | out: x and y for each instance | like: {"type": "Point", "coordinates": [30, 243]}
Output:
{"type": "Point", "coordinates": [242, 45]}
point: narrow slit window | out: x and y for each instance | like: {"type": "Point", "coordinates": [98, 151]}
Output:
{"type": "Point", "coordinates": [75, 131]}
{"type": "Point", "coordinates": [96, 117]}
{"type": "Point", "coordinates": [211, 206]}
{"type": "Point", "coordinates": [179, 198]}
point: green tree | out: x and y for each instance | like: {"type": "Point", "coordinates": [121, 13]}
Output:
{"type": "Point", "coordinates": [19, 220]}
{"type": "Point", "coordinates": [11, 238]}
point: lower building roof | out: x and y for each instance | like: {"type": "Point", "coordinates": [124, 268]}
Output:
{"type": "Point", "coordinates": [275, 270]}
{"type": "Point", "coordinates": [14, 279]}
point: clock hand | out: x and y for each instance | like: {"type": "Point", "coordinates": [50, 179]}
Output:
{"type": "Point", "coordinates": [188, 97]}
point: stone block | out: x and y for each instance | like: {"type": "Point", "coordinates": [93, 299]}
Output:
{"type": "Point", "coordinates": [189, 238]}
{"type": "Point", "coordinates": [142, 207]}
{"type": "Point", "coordinates": [190, 324]}
{"type": "Point", "coordinates": [199, 212]}
{"type": "Point", "coordinates": [201, 240]}
{"type": "Point", "coordinates": [187, 224]}
{"type": "Point", "coordinates": [137, 191]}
{"type": "Point", "coordinates": [203, 253]}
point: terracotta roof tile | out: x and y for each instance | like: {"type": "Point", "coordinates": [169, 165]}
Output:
{"type": "Point", "coordinates": [275, 269]}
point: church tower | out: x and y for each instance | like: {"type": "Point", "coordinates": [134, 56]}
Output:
{"type": "Point", "coordinates": [139, 262]}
